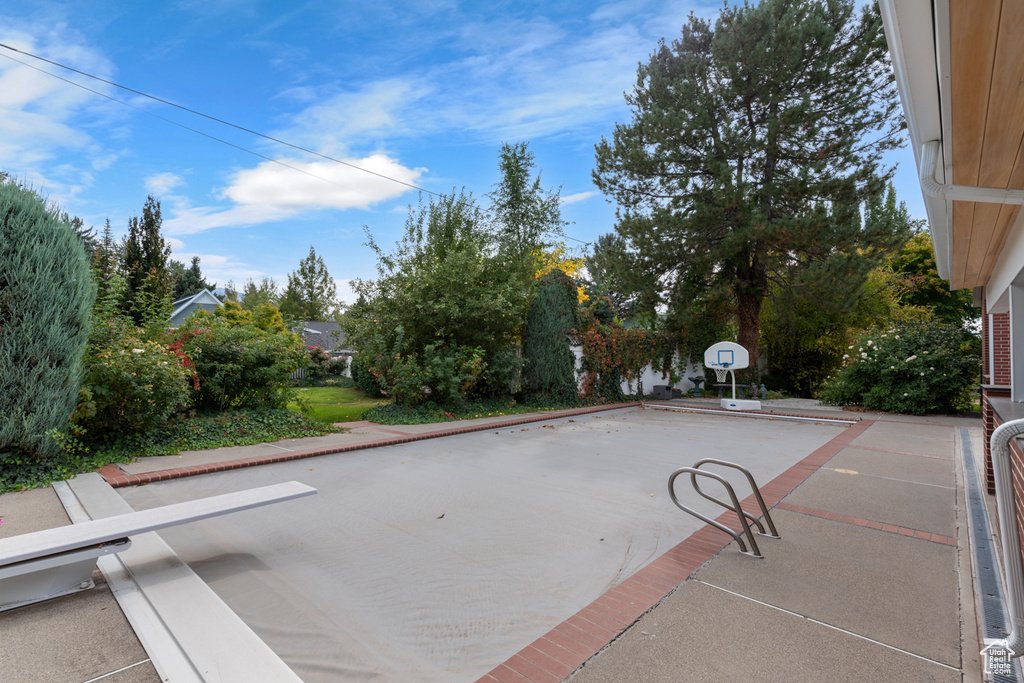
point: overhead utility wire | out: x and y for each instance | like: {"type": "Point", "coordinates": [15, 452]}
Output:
{"type": "Point", "coordinates": [211, 118]}
{"type": "Point", "coordinates": [199, 113]}
{"type": "Point", "coordinates": [179, 125]}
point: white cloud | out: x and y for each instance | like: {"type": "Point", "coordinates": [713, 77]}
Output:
{"type": "Point", "coordinates": [271, 192]}
{"type": "Point", "coordinates": [578, 197]}
{"type": "Point", "coordinates": [346, 120]}
{"type": "Point", "coordinates": [40, 115]}
{"type": "Point", "coordinates": [163, 183]}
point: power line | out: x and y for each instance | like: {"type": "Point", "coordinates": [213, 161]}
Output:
{"type": "Point", "coordinates": [211, 118]}
{"type": "Point", "coordinates": [199, 113]}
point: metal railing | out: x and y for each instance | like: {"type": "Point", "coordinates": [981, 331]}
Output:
{"type": "Point", "coordinates": [741, 514]}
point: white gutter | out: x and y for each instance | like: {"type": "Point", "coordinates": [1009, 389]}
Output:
{"type": "Point", "coordinates": [1000, 448]}
{"type": "Point", "coordinates": [961, 193]}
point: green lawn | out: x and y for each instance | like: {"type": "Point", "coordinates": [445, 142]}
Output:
{"type": "Point", "coordinates": [334, 404]}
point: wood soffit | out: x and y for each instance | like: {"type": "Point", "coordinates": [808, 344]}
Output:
{"type": "Point", "coordinates": [987, 92]}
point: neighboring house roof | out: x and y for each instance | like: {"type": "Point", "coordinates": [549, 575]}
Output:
{"type": "Point", "coordinates": [328, 336]}
{"type": "Point", "coordinates": [183, 308]}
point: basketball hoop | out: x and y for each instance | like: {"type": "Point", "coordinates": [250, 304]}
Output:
{"type": "Point", "coordinates": [721, 374]}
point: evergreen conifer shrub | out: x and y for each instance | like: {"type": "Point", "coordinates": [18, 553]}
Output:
{"type": "Point", "coordinates": [550, 369]}
{"type": "Point", "coordinates": [46, 293]}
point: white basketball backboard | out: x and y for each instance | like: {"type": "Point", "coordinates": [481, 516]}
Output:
{"type": "Point", "coordinates": [726, 355]}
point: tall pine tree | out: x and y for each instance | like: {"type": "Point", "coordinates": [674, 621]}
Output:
{"type": "Point", "coordinates": [753, 146]}
{"type": "Point", "coordinates": [145, 256]}
{"type": "Point", "coordinates": [311, 293]}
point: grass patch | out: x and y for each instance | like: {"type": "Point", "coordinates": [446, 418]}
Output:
{"type": "Point", "coordinates": [332, 404]}
{"type": "Point", "coordinates": [185, 432]}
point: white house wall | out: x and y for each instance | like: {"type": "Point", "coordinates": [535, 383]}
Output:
{"type": "Point", "coordinates": [1009, 269]}
{"type": "Point", "coordinates": [648, 378]}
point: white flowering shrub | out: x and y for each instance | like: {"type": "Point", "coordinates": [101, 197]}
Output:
{"type": "Point", "coordinates": [916, 368]}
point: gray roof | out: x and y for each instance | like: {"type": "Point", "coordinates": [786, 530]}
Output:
{"type": "Point", "coordinates": [183, 308]}
{"type": "Point", "coordinates": [327, 335]}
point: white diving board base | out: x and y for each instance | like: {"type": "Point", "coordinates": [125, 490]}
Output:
{"type": "Point", "coordinates": [189, 633]}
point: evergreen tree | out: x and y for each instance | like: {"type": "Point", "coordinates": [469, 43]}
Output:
{"type": "Point", "coordinates": [230, 292]}
{"type": "Point", "coordinates": [753, 145]}
{"type": "Point", "coordinates": [550, 364]}
{"type": "Point", "coordinates": [613, 273]}
{"type": "Point", "coordinates": [87, 235]}
{"type": "Point", "coordinates": [255, 294]}
{"type": "Point", "coordinates": [311, 293]}
{"type": "Point", "coordinates": [106, 260]}
{"type": "Point", "coordinates": [188, 281]}
{"type": "Point", "coordinates": [810, 322]}
{"type": "Point", "coordinates": [45, 297]}
{"type": "Point", "coordinates": [145, 254]}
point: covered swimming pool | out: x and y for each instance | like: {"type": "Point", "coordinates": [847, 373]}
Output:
{"type": "Point", "coordinates": [438, 559]}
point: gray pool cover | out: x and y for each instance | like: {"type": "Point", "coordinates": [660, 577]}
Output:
{"type": "Point", "coordinates": [439, 559]}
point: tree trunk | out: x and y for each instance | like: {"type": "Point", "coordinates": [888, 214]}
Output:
{"type": "Point", "coordinates": [748, 312]}
{"type": "Point", "coordinates": [750, 292]}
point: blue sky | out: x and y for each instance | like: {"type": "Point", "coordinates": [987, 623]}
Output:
{"type": "Point", "coordinates": [425, 92]}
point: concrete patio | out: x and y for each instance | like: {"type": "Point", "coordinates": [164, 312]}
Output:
{"type": "Point", "coordinates": [871, 580]}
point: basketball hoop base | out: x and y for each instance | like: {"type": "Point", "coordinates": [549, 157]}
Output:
{"type": "Point", "coordinates": [740, 404]}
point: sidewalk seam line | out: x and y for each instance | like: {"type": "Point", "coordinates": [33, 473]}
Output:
{"type": "Point", "coordinates": [825, 624]}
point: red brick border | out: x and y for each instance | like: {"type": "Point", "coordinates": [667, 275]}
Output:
{"type": "Point", "coordinates": [569, 645]}
{"type": "Point", "coordinates": [879, 526]}
{"type": "Point", "coordinates": [117, 477]}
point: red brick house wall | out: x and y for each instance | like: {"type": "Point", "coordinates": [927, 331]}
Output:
{"type": "Point", "coordinates": [997, 354]}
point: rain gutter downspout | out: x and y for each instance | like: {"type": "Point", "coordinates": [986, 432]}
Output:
{"type": "Point", "coordinates": [959, 193]}
{"type": "Point", "coordinates": [1000, 444]}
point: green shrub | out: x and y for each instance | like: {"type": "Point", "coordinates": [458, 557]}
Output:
{"type": "Point", "coordinates": [364, 380]}
{"type": "Point", "coordinates": [912, 368]}
{"type": "Point", "coordinates": [45, 295]}
{"type": "Point", "coordinates": [239, 364]}
{"type": "Point", "coordinates": [442, 374]}
{"type": "Point", "coordinates": [134, 386]}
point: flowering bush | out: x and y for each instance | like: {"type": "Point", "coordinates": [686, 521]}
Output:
{"type": "Point", "coordinates": [318, 360]}
{"type": "Point", "coordinates": [912, 368]}
{"type": "Point", "coordinates": [237, 363]}
{"type": "Point", "coordinates": [132, 386]}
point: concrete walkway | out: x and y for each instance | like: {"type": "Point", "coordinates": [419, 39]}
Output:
{"type": "Point", "coordinates": [871, 579]}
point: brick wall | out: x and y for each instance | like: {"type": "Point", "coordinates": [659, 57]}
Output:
{"type": "Point", "coordinates": [989, 422]}
{"type": "Point", "coordinates": [1000, 354]}
{"type": "Point", "coordinates": [1001, 349]}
